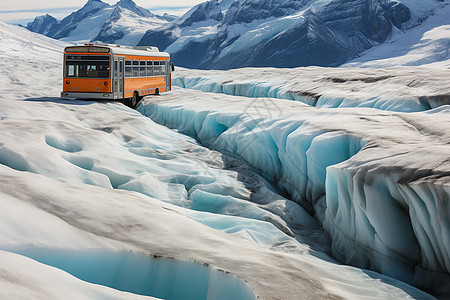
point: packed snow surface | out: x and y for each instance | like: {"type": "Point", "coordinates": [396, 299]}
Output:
{"type": "Point", "coordinates": [85, 178]}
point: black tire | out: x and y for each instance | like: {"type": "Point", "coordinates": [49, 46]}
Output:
{"type": "Point", "coordinates": [134, 100]}
{"type": "Point", "coordinates": [157, 92]}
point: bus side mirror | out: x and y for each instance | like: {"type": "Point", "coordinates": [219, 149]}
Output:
{"type": "Point", "coordinates": [172, 66]}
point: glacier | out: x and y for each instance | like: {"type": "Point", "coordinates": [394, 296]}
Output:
{"type": "Point", "coordinates": [384, 207]}
{"type": "Point", "coordinates": [89, 178]}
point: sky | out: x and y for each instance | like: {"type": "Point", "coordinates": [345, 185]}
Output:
{"type": "Point", "coordinates": [23, 11]}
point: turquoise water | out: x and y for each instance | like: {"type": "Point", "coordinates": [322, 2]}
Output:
{"type": "Point", "coordinates": [145, 275]}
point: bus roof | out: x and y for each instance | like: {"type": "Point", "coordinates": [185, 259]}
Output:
{"type": "Point", "coordinates": [117, 49]}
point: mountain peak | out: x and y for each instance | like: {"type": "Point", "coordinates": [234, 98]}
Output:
{"type": "Point", "coordinates": [202, 12]}
{"type": "Point", "coordinates": [93, 4]}
{"type": "Point", "coordinates": [131, 5]}
{"type": "Point", "coordinates": [42, 24]}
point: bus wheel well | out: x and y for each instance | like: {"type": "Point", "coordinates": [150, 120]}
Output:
{"type": "Point", "coordinates": [134, 100]}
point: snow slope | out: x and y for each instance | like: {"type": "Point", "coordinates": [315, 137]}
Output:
{"type": "Point", "coordinates": [82, 178]}
{"type": "Point", "coordinates": [28, 75]}
{"type": "Point", "coordinates": [424, 45]}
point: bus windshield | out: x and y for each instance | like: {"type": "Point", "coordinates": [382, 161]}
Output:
{"type": "Point", "coordinates": [87, 66]}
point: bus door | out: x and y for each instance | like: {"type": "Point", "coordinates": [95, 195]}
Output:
{"type": "Point", "coordinates": [118, 77]}
{"type": "Point", "coordinates": [168, 76]}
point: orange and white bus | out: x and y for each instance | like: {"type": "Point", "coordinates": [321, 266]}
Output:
{"type": "Point", "coordinates": [113, 72]}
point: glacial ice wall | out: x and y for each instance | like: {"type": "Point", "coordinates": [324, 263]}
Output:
{"type": "Point", "coordinates": [403, 89]}
{"type": "Point", "coordinates": [361, 171]}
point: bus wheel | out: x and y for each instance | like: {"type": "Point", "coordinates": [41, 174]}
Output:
{"type": "Point", "coordinates": [134, 100]}
{"type": "Point", "coordinates": [157, 91]}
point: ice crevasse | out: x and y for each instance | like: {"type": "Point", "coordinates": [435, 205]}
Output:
{"type": "Point", "coordinates": [403, 89]}
{"type": "Point", "coordinates": [361, 171]}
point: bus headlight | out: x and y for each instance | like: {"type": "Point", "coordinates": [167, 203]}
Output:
{"type": "Point", "coordinates": [106, 83]}
{"type": "Point", "coordinates": [67, 82]}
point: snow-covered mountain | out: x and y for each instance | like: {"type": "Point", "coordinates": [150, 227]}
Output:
{"type": "Point", "coordinates": [123, 23]}
{"type": "Point", "coordinates": [230, 34]}
{"type": "Point", "coordinates": [64, 28]}
{"type": "Point", "coordinates": [43, 24]}
{"type": "Point", "coordinates": [284, 33]}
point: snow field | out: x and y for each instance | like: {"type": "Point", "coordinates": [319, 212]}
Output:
{"type": "Point", "coordinates": [30, 63]}
{"type": "Point", "coordinates": [370, 187]}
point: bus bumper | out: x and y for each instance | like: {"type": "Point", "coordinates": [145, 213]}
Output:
{"type": "Point", "coordinates": [79, 95]}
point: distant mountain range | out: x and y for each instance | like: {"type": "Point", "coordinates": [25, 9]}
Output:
{"type": "Point", "coordinates": [123, 23]}
{"type": "Point", "coordinates": [237, 33]}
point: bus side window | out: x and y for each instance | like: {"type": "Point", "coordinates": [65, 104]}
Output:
{"type": "Point", "coordinates": [156, 68]}
{"type": "Point", "coordinates": [142, 68]}
{"type": "Point", "coordinates": [128, 70]}
{"type": "Point", "coordinates": [163, 67]}
{"type": "Point", "coordinates": [149, 68]}
{"type": "Point", "coordinates": [135, 68]}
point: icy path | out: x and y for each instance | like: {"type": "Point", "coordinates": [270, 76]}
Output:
{"type": "Point", "coordinates": [406, 89]}
{"type": "Point", "coordinates": [378, 181]}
